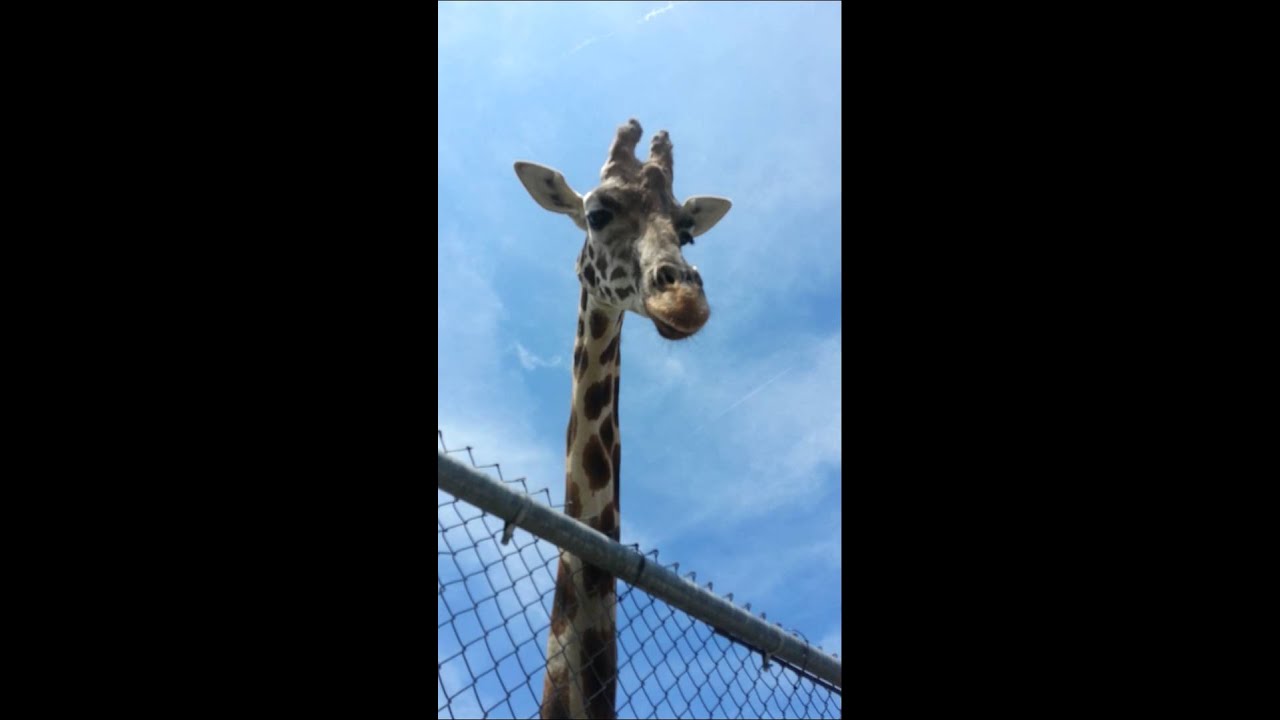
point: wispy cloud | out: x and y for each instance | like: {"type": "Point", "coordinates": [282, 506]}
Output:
{"type": "Point", "coordinates": [830, 643]}
{"type": "Point", "coordinates": [590, 41]}
{"type": "Point", "coordinates": [530, 361]}
{"type": "Point", "coordinates": [744, 398]}
{"type": "Point", "coordinates": [582, 44]}
{"type": "Point", "coordinates": [454, 694]}
{"type": "Point", "coordinates": [767, 442]}
{"type": "Point", "coordinates": [644, 19]}
{"type": "Point", "coordinates": [481, 403]}
{"type": "Point", "coordinates": [655, 13]}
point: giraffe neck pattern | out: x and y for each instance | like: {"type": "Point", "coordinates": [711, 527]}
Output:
{"type": "Point", "coordinates": [581, 679]}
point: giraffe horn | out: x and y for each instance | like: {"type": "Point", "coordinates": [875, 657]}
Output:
{"type": "Point", "coordinates": [622, 160]}
{"type": "Point", "coordinates": [660, 154]}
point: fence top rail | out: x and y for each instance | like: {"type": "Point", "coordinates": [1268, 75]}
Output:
{"type": "Point", "coordinates": [596, 548]}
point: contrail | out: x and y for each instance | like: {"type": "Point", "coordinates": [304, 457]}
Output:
{"type": "Point", "coordinates": [646, 18]}
{"type": "Point", "coordinates": [590, 41]}
{"type": "Point", "coordinates": [744, 398]}
{"type": "Point", "coordinates": [651, 15]}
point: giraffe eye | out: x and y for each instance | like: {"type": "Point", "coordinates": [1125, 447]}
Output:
{"type": "Point", "coordinates": [685, 238]}
{"type": "Point", "coordinates": [597, 219]}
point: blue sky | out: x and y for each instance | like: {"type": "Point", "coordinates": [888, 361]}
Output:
{"type": "Point", "coordinates": [731, 440]}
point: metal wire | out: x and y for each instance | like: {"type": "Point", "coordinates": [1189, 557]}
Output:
{"type": "Point", "coordinates": [493, 617]}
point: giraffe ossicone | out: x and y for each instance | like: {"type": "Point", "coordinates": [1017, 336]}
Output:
{"type": "Point", "coordinates": [632, 260]}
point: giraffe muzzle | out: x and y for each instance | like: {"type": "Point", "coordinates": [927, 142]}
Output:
{"type": "Point", "coordinates": [678, 310]}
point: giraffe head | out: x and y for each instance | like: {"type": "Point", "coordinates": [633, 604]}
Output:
{"type": "Point", "coordinates": [636, 231]}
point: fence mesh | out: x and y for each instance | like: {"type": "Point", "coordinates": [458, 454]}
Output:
{"type": "Point", "coordinates": [493, 616]}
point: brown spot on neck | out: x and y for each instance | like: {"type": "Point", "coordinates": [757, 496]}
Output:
{"type": "Point", "coordinates": [572, 497]}
{"type": "Point", "coordinates": [595, 464]}
{"type": "Point", "coordinates": [610, 350]}
{"type": "Point", "coordinates": [555, 696]}
{"type": "Point", "coordinates": [599, 662]}
{"type": "Point", "coordinates": [606, 432]}
{"type": "Point", "coordinates": [564, 606]}
{"type": "Point", "coordinates": [596, 397]}
{"type": "Point", "coordinates": [599, 322]}
{"type": "Point", "coordinates": [607, 522]}
{"type": "Point", "coordinates": [597, 583]}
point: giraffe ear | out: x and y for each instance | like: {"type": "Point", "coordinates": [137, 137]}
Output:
{"type": "Point", "coordinates": [549, 189]}
{"type": "Point", "coordinates": [706, 211]}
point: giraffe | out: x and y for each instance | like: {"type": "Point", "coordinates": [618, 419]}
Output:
{"type": "Point", "coordinates": [631, 260]}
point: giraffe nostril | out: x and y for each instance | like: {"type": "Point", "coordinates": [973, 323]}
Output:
{"type": "Point", "coordinates": [665, 276]}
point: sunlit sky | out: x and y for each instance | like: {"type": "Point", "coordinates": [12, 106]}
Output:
{"type": "Point", "coordinates": [731, 440]}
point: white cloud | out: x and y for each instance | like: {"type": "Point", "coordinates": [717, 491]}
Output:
{"type": "Point", "coordinates": [635, 531]}
{"type": "Point", "coordinates": [590, 41]}
{"type": "Point", "coordinates": [509, 442]}
{"type": "Point", "coordinates": [830, 643]}
{"type": "Point", "coordinates": [766, 428]}
{"type": "Point", "coordinates": [583, 44]}
{"type": "Point", "coordinates": [654, 13]}
{"type": "Point", "coordinates": [482, 397]}
{"type": "Point", "coordinates": [530, 361]}
{"type": "Point", "coordinates": [768, 455]}
{"type": "Point", "coordinates": [646, 18]}
{"type": "Point", "coordinates": [461, 702]}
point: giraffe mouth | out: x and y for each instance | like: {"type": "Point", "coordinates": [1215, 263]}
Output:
{"type": "Point", "coordinates": [669, 332]}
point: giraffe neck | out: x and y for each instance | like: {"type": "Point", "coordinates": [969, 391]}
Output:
{"type": "Point", "coordinates": [582, 668]}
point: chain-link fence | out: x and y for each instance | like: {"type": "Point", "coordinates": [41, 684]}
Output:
{"type": "Point", "coordinates": [493, 616]}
